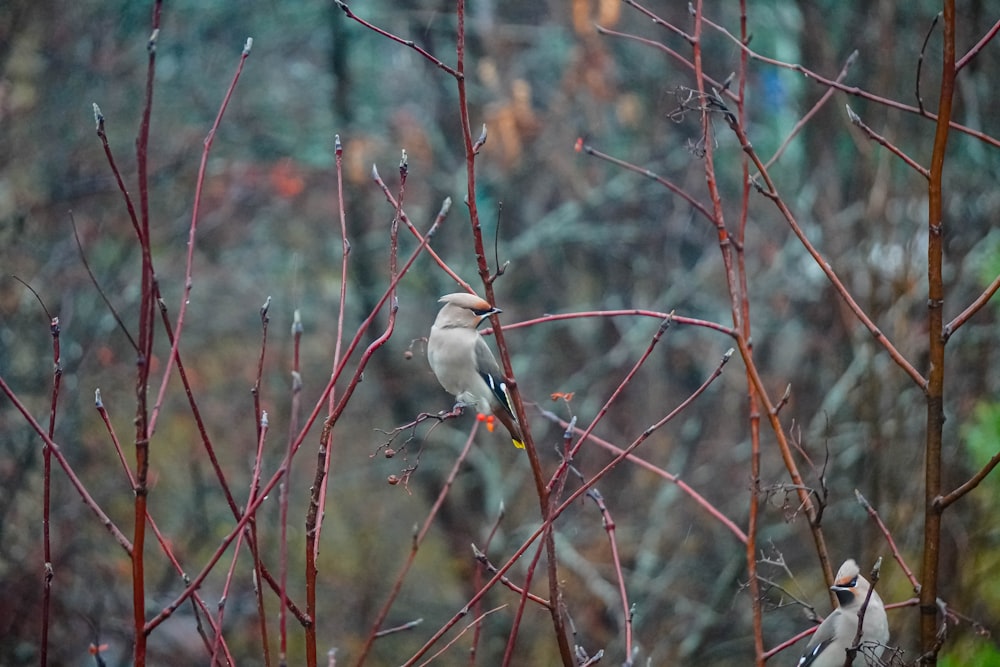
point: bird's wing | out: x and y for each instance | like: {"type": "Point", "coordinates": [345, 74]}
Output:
{"type": "Point", "coordinates": [490, 371]}
{"type": "Point", "coordinates": [825, 635]}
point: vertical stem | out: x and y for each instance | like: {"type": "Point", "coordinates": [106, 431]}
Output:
{"type": "Point", "coordinates": [47, 495]}
{"type": "Point", "coordinates": [753, 399]}
{"type": "Point", "coordinates": [936, 345]}
{"type": "Point", "coordinates": [147, 310]}
{"type": "Point", "coordinates": [558, 623]}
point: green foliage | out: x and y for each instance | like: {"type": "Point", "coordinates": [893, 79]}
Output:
{"type": "Point", "coordinates": [982, 435]}
{"type": "Point", "coordinates": [980, 654]}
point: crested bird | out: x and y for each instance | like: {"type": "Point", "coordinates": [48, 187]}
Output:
{"type": "Point", "coordinates": [835, 635]}
{"type": "Point", "coordinates": [463, 363]}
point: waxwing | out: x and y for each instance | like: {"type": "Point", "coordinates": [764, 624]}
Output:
{"type": "Point", "coordinates": [835, 635]}
{"type": "Point", "coordinates": [463, 362]}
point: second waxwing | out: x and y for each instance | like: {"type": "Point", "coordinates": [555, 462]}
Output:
{"type": "Point", "coordinates": [835, 635]}
{"type": "Point", "coordinates": [463, 362]}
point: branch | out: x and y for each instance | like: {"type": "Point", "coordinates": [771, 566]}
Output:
{"type": "Point", "coordinates": [685, 488]}
{"type": "Point", "coordinates": [879, 139]}
{"type": "Point", "coordinates": [974, 51]}
{"type": "Point", "coordinates": [769, 190]}
{"type": "Point", "coordinates": [972, 309]}
{"type": "Point", "coordinates": [929, 640]}
{"type": "Point", "coordinates": [888, 538]}
{"type": "Point", "coordinates": [405, 42]}
{"type": "Point", "coordinates": [815, 108]}
{"type": "Point", "coordinates": [942, 502]}
{"type": "Point", "coordinates": [609, 527]}
{"type": "Point", "coordinates": [855, 645]}
{"type": "Point", "coordinates": [418, 539]}
{"type": "Point", "coordinates": [857, 92]}
{"type": "Point", "coordinates": [562, 507]}
{"type": "Point", "coordinates": [677, 190]}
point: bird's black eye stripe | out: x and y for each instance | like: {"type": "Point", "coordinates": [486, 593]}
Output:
{"type": "Point", "coordinates": [482, 312]}
{"type": "Point", "coordinates": [854, 582]}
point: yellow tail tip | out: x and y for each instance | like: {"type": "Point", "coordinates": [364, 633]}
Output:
{"type": "Point", "coordinates": [518, 443]}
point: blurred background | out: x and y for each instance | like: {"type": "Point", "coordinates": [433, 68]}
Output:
{"type": "Point", "coordinates": [580, 234]}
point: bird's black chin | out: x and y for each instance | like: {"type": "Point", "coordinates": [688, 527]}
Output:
{"type": "Point", "coordinates": [844, 595]}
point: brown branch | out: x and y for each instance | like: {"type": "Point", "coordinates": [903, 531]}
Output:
{"type": "Point", "coordinates": [627, 312]}
{"type": "Point", "coordinates": [209, 448]}
{"type": "Point", "coordinates": [280, 473]}
{"type": "Point", "coordinates": [677, 190]}
{"type": "Point", "coordinates": [47, 563]}
{"type": "Point", "coordinates": [609, 527]}
{"type": "Point", "coordinates": [856, 91]}
{"type": "Point", "coordinates": [942, 502]}
{"type": "Point", "coordinates": [75, 481]}
{"type": "Point", "coordinates": [974, 51]}
{"type": "Point", "coordinates": [564, 465]}
{"type": "Point", "coordinates": [856, 644]}
{"type": "Point", "coordinates": [471, 149]}
{"type": "Point", "coordinates": [195, 211]}
{"type": "Point", "coordinates": [873, 513]}
{"type": "Point", "coordinates": [684, 487]}
{"type": "Point", "coordinates": [665, 49]}
{"type": "Point", "coordinates": [660, 22]}
{"type": "Point", "coordinates": [484, 560]}
{"type": "Point", "coordinates": [147, 306]}
{"type": "Point", "coordinates": [769, 190]}
{"type": "Point", "coordinates": [879, 139]}
{"type": "Point", "coordinates": [568, 502]}
{"type": "Point", "coordinates": [418, 539]}
{"type": "Point", "coordinates": [813, 111]}
{"type": "Point", "coordinates": [522, 604]}
{"type": "Point", "coordinates": [929, 641]}
{"type": "Point", "coordinates": [442, 214]}
{"type": "Point", "coordinates": [405, 42]}
{"type": "Point", "coordinates": [972, 309]}
{"type": "Point", "coordinates": [318, 492]}
{"type": "Point", "coordinates": [476, 622]}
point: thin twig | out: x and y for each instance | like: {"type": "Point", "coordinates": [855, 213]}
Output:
{"type": "Point", "coordinates": [557, 511]}
{"type": "Point", "coordinates": [488, 565]}
{"type": "Point", "coordinates": [405, 42]}
{"type": "Point", "coordinates": [856, 91]}
{"type": "Point", "coordinates": [856, 644]}
{"type": "Point", "coordinates": [975, 50]}
{"type": "Point", "coordinates": [873, 513]}
{"type": "Point", "coordinates": [677, 190]}
{"type": "Point", "coordinates": [972, 309]}
{"type": "Point", "coordinates": [415, 544]}
{"type": "Point", "coordinates": [920, 63]}
{"type": "Point", "coordinates": [885, 143]}
{"type": "Point", "coordinates": [814, 110]}
{"type": "Point", "coordinates": [942, 502]}
{"type": "Point", "coordinates": [97, 285]}
{"type": "Point", "coordinates": [685, 488]}
{"type": "Point", "coordinates": [609, 527]}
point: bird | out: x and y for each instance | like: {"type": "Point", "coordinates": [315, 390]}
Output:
{"type": "Point", "coordinates": [836, 633]}
{"type": "Point", "coordinates": [463, 363]}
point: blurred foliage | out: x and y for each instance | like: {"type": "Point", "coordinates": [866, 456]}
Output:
{"type": "Point", "coordinates": [580, 235]}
